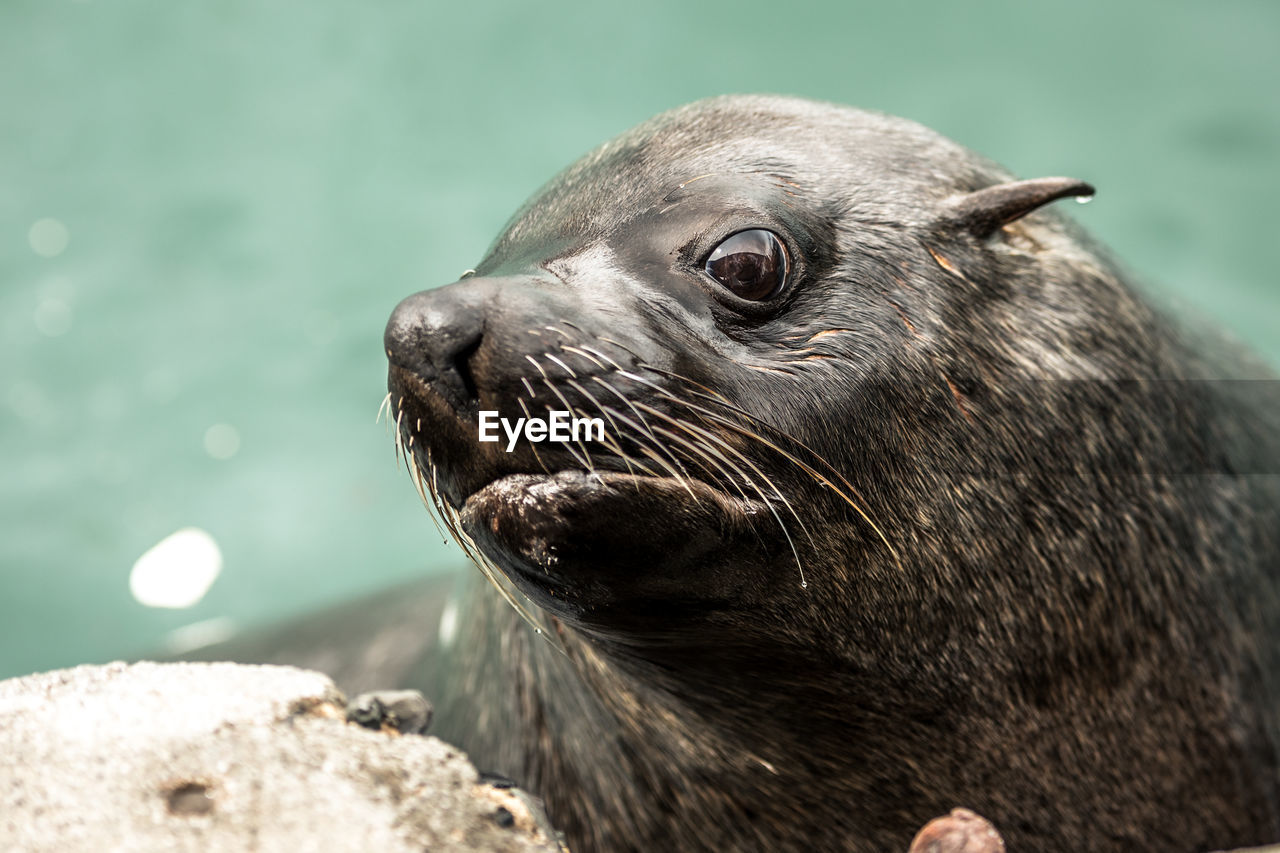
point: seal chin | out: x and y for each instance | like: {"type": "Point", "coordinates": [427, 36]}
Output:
{"type": "Point", "coordinates": [578, 540]}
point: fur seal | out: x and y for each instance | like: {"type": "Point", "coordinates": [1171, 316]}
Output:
{"type": "Point", "coordinates": [906, 501]}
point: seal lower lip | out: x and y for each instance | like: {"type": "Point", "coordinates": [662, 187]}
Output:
{"type": "Point", "coordinates": [530, 488]}
{"type": "Point", "coordinates": [574, 499]}
{"type": "Point", "coordinates": [575, 482]}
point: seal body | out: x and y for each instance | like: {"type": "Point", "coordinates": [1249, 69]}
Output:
{"type": "Point", "coordinates": [906, 500]}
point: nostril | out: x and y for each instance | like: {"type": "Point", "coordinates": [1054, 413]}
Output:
{"type": "Point", "coordinates": [462, 366]}
{"type": "Point", "coordinates": [437, 336]}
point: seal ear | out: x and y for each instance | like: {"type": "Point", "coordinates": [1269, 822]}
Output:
{"type": "Point", "coordinates": [983, 211]}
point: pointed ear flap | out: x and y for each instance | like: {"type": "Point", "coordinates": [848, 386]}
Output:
{"type": "Point", "coordinates": [983, 211]}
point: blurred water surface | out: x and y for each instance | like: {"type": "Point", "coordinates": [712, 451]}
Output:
{"type": "Point", "coordinates": [208, 209]}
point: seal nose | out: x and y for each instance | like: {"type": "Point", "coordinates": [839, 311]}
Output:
{"type": "Point", "coordinates": [435, 334]}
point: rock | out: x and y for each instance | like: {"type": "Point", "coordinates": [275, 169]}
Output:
{"type": "Point", "coordinates": [226, 757]}
{"type": "Point", "coordinates": [962, 831]}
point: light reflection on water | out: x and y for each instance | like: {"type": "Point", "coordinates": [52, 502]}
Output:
{"type": "Point", "coordinates": [177, 571]}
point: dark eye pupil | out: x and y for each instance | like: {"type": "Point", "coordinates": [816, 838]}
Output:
{"type": "Point", "coordinates": [751, 264]}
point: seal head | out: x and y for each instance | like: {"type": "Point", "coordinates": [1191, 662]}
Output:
{"type": "Point", "coordinates": [613, 297]}
{"type": "Point", "coordinates": [903, 499]}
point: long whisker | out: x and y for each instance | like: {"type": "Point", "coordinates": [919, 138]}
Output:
{"type": "Point", "coordinates": [536, 455]}
{"type": "Point", "coordinates": [624, 398]}
{"type": "Point", "coordinates": [595, 352]}
{"type": "Point", "coordinates": [704, 456]}
{"type": "Point", "coordinates": [585, 459]}
{"type": "Point", "coordinates": [726, 471]}
{"type": "Point", "coordinates": [400, 435]}
{"type": "Point", "coordinates": [824, 480]}
{"type": "Point", "coordinates": [629, 460]}
{"type": "Point", "coordinates": [644, 424]}
{"type": "Point", "coordinates": [713, 396]}
{"type": "Point", "coordinates": [584, 354]}
{"type": "Point", "coordinates": [566, 367]}
{"type": "Point", "coordinates": [616, 447]}
{"type": "Point", "coordinates": [652, 453]}
{"type": "Point", "coordinates": [794, 551]}
{"type": "Point", "coordinates": [692, 453]}
{"type": "Point", "coordinates": [620, 346]}
{"type": "Point", "coordinates": [711, 392]}
{"type": "Point", "coordinates": [546, 380]}
{"type": "Point", "coordinates": [611, 442]}
{"type": "Point", "coordinates": [415, 475]}
{"type": "Point", "coordinates": [705, 434]}
{"type": "Point", "coordinates": [751, 434]}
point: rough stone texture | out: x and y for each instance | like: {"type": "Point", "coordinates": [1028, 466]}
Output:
{"type": "Point", "coordinates": [229, 757]}
{"type": "Point", "coordinates": [226, 757]}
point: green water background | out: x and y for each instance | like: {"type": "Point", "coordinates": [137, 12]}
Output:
{"type": "Point", "coordinates": [248, 188]}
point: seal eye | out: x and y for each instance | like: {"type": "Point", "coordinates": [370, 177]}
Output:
{"type": "Point", "coordinates": [751, 264]}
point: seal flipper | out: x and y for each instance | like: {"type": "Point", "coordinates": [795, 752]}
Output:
{"type": "Point", "coordinates": [983, 211]}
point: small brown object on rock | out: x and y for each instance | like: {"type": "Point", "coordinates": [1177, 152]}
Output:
{"type": "Point", "coordinates": [189, 799]}
{"type": "Point", "coordinates": [962, 831]}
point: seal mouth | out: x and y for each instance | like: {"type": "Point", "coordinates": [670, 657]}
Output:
{"type": "Point", "coordinates": [534, 510]}
{"type": "Point", "coordinates": [442, 441]}
{"type": "Point", "coordinates": [526, 494]}
{"type": "Point", "coordinates": [680, 479]}
{"type": "Point", "coordinates": [577, 540]}
{"type": "Point", "coordinates": [543, 518]}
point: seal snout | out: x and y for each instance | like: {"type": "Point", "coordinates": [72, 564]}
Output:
{"type": "Point", "coordinates": [435, 334]}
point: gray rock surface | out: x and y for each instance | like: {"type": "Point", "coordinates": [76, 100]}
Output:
{"type": "Point", "coordinates": [227, 757]}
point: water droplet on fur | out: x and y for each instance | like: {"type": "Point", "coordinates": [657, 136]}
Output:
{"type": "Point", "coordinates": [1083, 199]}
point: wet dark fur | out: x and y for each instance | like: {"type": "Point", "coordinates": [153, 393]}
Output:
{"type": "Point", "coordinates": [1033, 588]}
